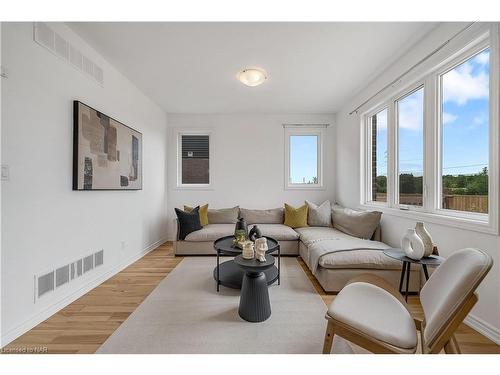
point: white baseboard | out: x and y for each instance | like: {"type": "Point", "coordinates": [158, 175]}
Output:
{"type": "Point", "coordinates": [14, 333]}
{"type": "Point", "coordinates": [483, 328]}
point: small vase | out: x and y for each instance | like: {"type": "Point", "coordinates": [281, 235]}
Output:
{"type": "Point", "coordinates": [241, 228]}
{"type": "Point", "coordinates": [412, 245]}
{"type": "Point", "coordinates": [248, 250]}
{"type": "Point", "coordinates": [425, 237]}
{"type": "Point", "coordinates": [254, 233]}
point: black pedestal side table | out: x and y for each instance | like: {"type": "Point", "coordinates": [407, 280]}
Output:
{"type": "Point", "coordinates": [230, 275]}
{"type": "Point", "coordinates": [254, 298]}
{"type": "Point", "coordinates": [431, 260]}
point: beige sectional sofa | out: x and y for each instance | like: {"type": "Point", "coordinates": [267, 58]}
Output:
{"type": "Point", "coordinates": [333, 256]}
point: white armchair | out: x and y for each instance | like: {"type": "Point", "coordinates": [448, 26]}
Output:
{"type": "Point", "coordinates": [369, 312]}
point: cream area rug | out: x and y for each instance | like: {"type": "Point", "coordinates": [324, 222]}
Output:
{"type": "Point", "coordinates": [185, 314]}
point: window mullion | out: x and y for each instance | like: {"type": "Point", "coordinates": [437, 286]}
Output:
{"type": "Point", "coordinates": [392, 169]}
{"type": "Point", "coordinates": [432, 150]}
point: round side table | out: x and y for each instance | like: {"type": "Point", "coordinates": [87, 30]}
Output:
{"type": "Point", "coordinates": [254, 298]}
{"type": "Point", "coordinates": [432, 260]}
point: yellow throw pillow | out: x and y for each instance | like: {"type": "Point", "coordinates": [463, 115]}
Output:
{"type": "Point", "coordinates": [296, 217]}
{"type": "Point", "coordinates": [203, 213]}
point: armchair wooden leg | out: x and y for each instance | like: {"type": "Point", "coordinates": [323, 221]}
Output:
{"type": "Point", "coordinates": [330, 332]}
{"type": "Point", "coordinates": [452, 347]}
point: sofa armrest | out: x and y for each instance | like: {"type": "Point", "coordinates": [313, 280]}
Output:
{"type": "Point", "coordinates": [176, 221]}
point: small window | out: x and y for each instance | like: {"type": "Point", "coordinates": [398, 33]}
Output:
{"type": "Point", "coordinates": [465, 135]}
{"type": "Point", "coordinates": [378, 155]}
{"type": "Point", "coordinates": [194, 160]}
{"type": "Point", "coordinates": [304, 157]}
{"type": "Point", "coordinates": [410, 121]}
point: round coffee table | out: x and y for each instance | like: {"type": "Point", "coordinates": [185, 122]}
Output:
{"type": "Point", "coordinates": [254, 298]}
{"type": "Point", "coordinates": [229, 274]}
{"type": "Point", "coordinates": [431, 260]}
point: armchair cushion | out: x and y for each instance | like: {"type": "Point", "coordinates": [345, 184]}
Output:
{"type": "Point", "coordinates": [376, 313]}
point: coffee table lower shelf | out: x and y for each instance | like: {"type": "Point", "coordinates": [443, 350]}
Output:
{"type": "Point", "coordinates": [231, 276]}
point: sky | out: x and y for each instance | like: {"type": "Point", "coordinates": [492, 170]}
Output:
{"type": "Point", "coordinates": [465, 117]}
{"type": "Point", "coordinates": [303, 158]}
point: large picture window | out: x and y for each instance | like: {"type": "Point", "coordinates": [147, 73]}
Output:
{"type": "Point", "coordinates": [431, 149]}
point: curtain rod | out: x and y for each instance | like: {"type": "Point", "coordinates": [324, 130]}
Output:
{"type": "Point", "coordinates": [412, 67]}
{"type": "Point", "coordinates": [305, 125]}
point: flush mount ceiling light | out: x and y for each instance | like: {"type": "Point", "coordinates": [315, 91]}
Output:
{"type": "Point", "coordinates": [252, 76]}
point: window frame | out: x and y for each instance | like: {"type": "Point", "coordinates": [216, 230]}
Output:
{"type": "Point", "coordinates": [476, 40]}
{"type": "Point", "coordinates": [297, 130]}
{"type": "Point", "coordinates": [179, 134]}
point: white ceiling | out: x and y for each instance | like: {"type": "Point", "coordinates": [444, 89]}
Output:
{"type": "Point", "coordinates": [191, 67]}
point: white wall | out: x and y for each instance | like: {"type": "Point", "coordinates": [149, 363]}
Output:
{"type": "Point", "coordinates": [248, 165]}
{"type": "Point", "coordinates": [486, 314]}
{"type": "Point", "coordinates": [44, 223]}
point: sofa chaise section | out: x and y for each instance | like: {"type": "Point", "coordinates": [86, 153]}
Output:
{"type": "Point", "coordinates": [334, 269]}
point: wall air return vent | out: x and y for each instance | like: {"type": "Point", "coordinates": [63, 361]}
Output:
{"type": "Point", "coordinates": [88, 263]}
{"type": "Point", "coordinates": [99, 258]}
{"type": "Point", "coordinates": [55, 43]}
{"type": "Point", "coordinates": [61, 276]}
{"type": "Point", "coordinates": [45, 284]}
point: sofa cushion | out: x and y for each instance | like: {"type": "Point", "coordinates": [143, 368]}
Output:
{"type": "Point", "coordinates": [361, 224]}
{"type": "Point", "coordinates": [211, 232]}
{"type": "Point", "coordinates": [371, 259]}
{"type": "Point", "coordinates": [223, 215]}
{"type": "Point", "coordinates": [296, 217]}
{"type": "Point", "coordinates": [319, 216]}
{"type": "Point", "coordinates": [309, 235]}
{"type": "Point", "coordinates": [188, 221]}
{"type": "Point", "coordinates": [272, 216]}
{"type": "Point", "coordinates": [279, 232]}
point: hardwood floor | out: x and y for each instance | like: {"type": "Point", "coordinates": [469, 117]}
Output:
{"type": "Point", "coordinates": [85, 324]}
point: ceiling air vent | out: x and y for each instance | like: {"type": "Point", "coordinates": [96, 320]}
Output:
{"type": "Point", "coordinates": [55, 43]}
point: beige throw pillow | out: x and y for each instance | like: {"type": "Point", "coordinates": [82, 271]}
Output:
{"type": "Point", "coordinates": [319, 216]}
{"type": "Point", "coordinates": [223, 215]}
{"type": "Point", "coordinates": [272, 216]}
{"type": "Point", "coordinates": [361, 224]}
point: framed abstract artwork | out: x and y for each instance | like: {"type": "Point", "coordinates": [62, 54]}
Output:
{"type": "Point", "coordinates": [107, 155]}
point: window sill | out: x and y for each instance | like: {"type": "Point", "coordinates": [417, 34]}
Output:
{"type": "Point", "coordinates": [305, 187]}
{"type": "Point", "coordinates": [194, 187]}
{"type": "Point", "coordinates": [461, 222]}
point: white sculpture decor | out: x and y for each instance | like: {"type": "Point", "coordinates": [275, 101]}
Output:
{"type": "Point", "coordinates": [260, 249]}
{"type": "Point", "coordinates": [425, 237]}
{"type": "Point", "coordinates": [248, 251]}
{"type": "Point", "coordinates": [412, 245]}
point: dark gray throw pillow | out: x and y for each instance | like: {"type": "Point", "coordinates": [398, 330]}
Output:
{"type": "Point", "coordinates": [188, 221]}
